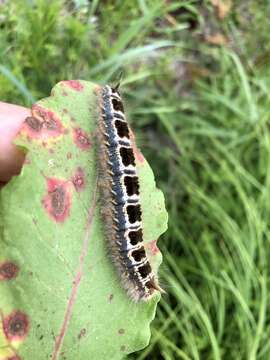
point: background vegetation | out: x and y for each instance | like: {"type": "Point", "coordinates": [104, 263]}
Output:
{"type": "Point", "coordinates": [196, 84]}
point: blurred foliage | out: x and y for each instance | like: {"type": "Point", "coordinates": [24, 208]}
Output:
{"type": "Point", "coordinates": [196, 85]}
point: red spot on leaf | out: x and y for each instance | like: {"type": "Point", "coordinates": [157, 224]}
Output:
{"type": "Point", "coordinates": [138, 155]}
{"type": "Point", "coordinates": [8, 270]}
{"type": "Point", "coordinates": [152, 247]}
{"type": "Point", "coordinates": [42, 124]}
{"type": "Point", "coordinates": [16, 326]}
{"type": "Point", "coordinates": [81, 139]}
{"type": "Point", "coordinates": [49, 119]}
{"type": "Point", "coordinates": [82, 333]}
{"type": "Point", "coordinates": [79, 179]}
{"type": "Point", "coordinates": [57, 202]}
{"type": "Point", "coordinates": [73, 84]}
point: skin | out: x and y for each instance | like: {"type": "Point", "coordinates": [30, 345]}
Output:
{"type": "Point", "coordinates": [11, 159]}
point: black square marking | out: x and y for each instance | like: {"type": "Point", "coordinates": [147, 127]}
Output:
{"type": "Point", "coordinates": [127, 156]}
{"type": "Point", "coordinates": [132, 185]}
{"type": "Point", "coordinates": [134, 213]}
{"type": "Point", "coordinates": [145, 270]}
{"type": "Point", "coordinates": [122, 128]}
{"type": "Point", "coordinates": [117, 105]}
{"type": "Point", "coordinates": [139, 254]}
{"type": "Point", "coordinates": [135, 237]}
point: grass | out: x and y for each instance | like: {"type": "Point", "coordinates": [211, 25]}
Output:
{"type": "Point", "coordinates": [201, 111]}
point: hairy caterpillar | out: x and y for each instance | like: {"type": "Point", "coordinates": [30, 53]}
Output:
{"type": "Point", "coordinates": [120, 197]}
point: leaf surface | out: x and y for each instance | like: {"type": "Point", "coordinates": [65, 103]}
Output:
{"type": "Point", "coordinates": [60, 297]}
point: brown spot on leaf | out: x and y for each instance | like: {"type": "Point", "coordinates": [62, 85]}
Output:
{"type": "Point", "coordinates": [121, 331]}
{"type": "Point", "coordinates": [110, 297]}
{"type": "Point", "coordinates": [16, 326]}
{"type": "Point", "coordinates": [123, 348]}
{"type": "Point", "coordinates": [57, 202]}
{"type": "Point", "coordinates": [73, 84]}
{"type": "Point", "coordinates": [42, 125]}
{"type": "Point", "coordinates": [82, 333]}
{"type": "Point", "coordinates": [46, 122]}
{"type": "Point", "coordinates": [69, 155]}
{"type": "Point", "coordinates": [34, 123]}
{"type": "Point", "coordinates": [8, 270]}
{"type": "Point", "coordinates": [81, 139]}
{"type": "Point", "coordinates": [79, 179]}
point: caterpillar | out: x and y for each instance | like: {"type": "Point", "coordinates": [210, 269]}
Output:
{"type": "Point", "coordinates": [120, 199]}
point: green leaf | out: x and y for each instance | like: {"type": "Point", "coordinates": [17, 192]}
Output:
{"type": "Point", "coordinates": [60, 297]}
